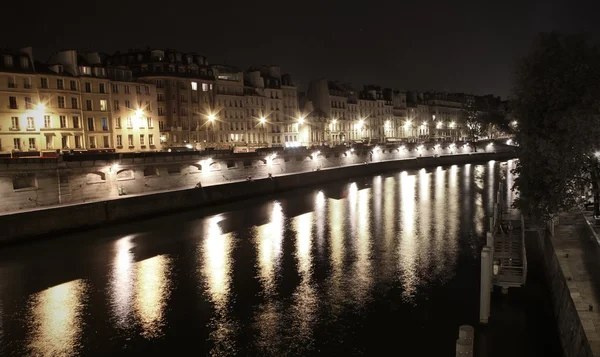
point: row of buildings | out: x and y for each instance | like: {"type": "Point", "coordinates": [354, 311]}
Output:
{"type": "Point", "coordinates": [154, 99]}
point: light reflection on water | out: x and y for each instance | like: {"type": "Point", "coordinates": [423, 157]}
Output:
{"type": "Point", "coordinates": [216, 268]}
{"type": "Point", "coordinates": [377, 246]}
{"type": "Point", "coordinates": [56, 320]}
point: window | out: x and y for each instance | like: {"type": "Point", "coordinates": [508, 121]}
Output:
{"type": "Point", "coordinates": [120, 140]}
{"type": "Point", "coordinates": [104, 124]}
{"type": "Point", "coordinates": [47, 121]}
{"type": "Point", "coordinates": [194, 86]}
{"type": "Point", "coordinates": [92, 142]}
{"type": "Point", "coordinates": [138, 89]}
{"type": "Point", "coordinates": [27, 82]}
{"type": "Point", "coordinates": [174, 138]}
{"type": "Point", "coordinates": [49, 142]}
{"type": "Point", "coordinates": [44, 82]}
{"type": "Point", "coordinates": [63, 121]}
{"type": "Point", "coordinates": [127, 104]}
{"type": "Point", "coordinates": [103, 105]}
{"type": "Point", "coordinates": [8, 61]}
{"type": "Point", "coordinates": [183, 98]}
{"type": "Point", "coordinates": [129, 123]}
{"type": "Point", "coordinates": [76, 124]}
{"type": "Point", "coordinates": [31, 143]}
{"type": "Point", "coordinates": [64, 142]}
{"type": "Point", "coordinates": [149, 122]}
{"type": "Point", "coordinates": [78, 141]}
{"type": "Point", "coordinates": [115, 87]}
{"type": "Point", "coordinates": [118, 122]}
{"type": "Point", "coordinates": [73, 85]}
{"type": "Point", "coordinates": [11, 82]}
{"type": "Point", "coordinates": [160, 83]}
{"type": "Point", "coordinates": [86, 70]}
{"type": "Point", "coordinates": [74, 103]}
{"type": "Point", "coordinates": [17, 143]}
{"type": "Point", "coordinates": [147, 89]}
{"type": "Point", "coordinates": [60, 84]}
{"type": "Point", "coordinates": [161, 111]}
{"type": "Point", "coordinates": [160, 97]}
{"type": "Point", "coordinates": [28, 104]}
{"type": "Point", "coordinates": [105, 141]}
{"type": "Point", "coordinates": [126, 88]}
{"type": "Point", "coordinates": [101, 88]}
{"type": "Point", "coordinates": [88, 87]}
{"type": "Point", "coordinates": [116, 104]}
{"type": "Point", "coordinates": [90, 123]}
{"type": "Point", "coordinates": [88, 104]}
{"type": "Point", "coordinates": [161, 125]}
{"type": "Point", "coordinates": [182, 85]}
{"type": "Point", "coordinates": [14, 121]}
{"type": "Point", "coordinates": [151, 139]}
{"type": "Point", "coordinates": [61, 101]}
{"type": "Point", "coordinates": [30, 123]}
{"type": "Point", "coordinates": [130, 140]}
{"type": "Point", "coordinates": [148, 108]}
{"type": "Point", "coordinates": [142, 139]}
{"type": "Point", "coordinates": [12, 102]}
{"type": "Point", "coordinates": [24, 62]}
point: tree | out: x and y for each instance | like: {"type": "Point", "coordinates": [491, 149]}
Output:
{"type": "Point", "coordinates": [556, 102]}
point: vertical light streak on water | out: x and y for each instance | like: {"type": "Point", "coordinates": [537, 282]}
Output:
{"type": "Point", "coordinates": [56, 320]}
{"type": "Point", "coordinates": [440, 214]}
{"type": "Point", "coordinates": [268, 240]}
{"type": "Point", "coordinates": [424, 218]}
{"type": "Point", "coordinates": [388, 267]}
{"type": "Point", "coordinates": [122, 283]}
{"type": "Point", "coordinates": [152, 290]}
{"type": "Point", "coordinates": [216, 269]}
{"type": "Point", "coordinates": [479, 218]}
{"type": "Point", "coordinates": [319, 209]}
{"type": "Point", "coordinates": [453, 219]}
{"type": "Point", "coordinates": [305, 301]}
{"type": "Point", "coordinates": [491, 188]}
{"type": "Point", "coordinates": [362, 274]}
{"type": "Point", "coordinates": [510, 195]}
{"type": "Point", "coordinates": [337, 252]}
{"type": "Point", "coordinates": [408, 239]}
{"type": "Point", "coordinates": [377, 193]}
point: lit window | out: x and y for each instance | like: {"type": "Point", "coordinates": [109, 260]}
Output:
{"type": "Point", "coordinates": [204, 87]}
{"type": "Point", "coordinates": [194, 86]}
{"type": "Point", "coordinates": [103, 105]}
{"type": "Point", "coordinates": [130, 139]}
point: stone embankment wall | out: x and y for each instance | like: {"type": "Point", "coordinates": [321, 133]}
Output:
{"type": "Point", "coordinates": [560, 282]}
{"type": "Point", "coordinates": [35, 183]}
{"type": "Point", "coordinates": [75, 216]}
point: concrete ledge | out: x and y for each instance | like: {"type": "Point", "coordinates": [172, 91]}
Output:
{"type": "Point", "coordinates": [59, 219]}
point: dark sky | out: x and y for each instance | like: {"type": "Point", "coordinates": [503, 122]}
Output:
{"type": "Point", "coordinates": [424, 45]}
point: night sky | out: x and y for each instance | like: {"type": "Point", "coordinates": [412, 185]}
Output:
{"type": "Point", "coordinates": [422, 45]}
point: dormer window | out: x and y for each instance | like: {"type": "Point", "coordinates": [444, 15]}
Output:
{"type": "Point", "coordinates": [8, 61]}
{"type": "Point", "coordinates": [24, 62]}
{"type": "Point", "coordinates": [158, 55]}
{"type": "Point", "coordinates": [178, 56]}
{"type": "Point", "coordinates": [140, 57]}
{"type": "Point", "coordinates": [86, 70]}
{"type": "Point", "coordinates": [188, 59]}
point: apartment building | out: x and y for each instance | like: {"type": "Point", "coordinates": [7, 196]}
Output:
{"type": "Point", "coordinates": [133, 102]}
{"type": "Point", "coordinates": [184, 83]}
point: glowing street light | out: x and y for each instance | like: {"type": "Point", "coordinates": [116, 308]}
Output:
{"type": "Point", "coordinates": [300, 120]}
{"type": "Point", "coordinates": [139, 113]}
{"type": "Point", "coordinates": [211, 117]}
{"type": "Point", "coordinates": [452, 125]}
{"type": "Point", "coordinates": [439, 125]}
{"type": "Point", "coordinates": [262, 120]}
{"type": "Point", "coordinates": [41, 107]}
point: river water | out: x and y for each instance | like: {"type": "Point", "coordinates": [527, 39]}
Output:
{"type": "Point", "coordinates": [385, 265]}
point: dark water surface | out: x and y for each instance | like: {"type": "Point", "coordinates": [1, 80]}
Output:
{"type": "Point", "coordinates": [386, 265]}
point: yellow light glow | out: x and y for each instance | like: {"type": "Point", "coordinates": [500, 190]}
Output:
{"type": "Point", "coordinates": [334, 121]}
{"type": "Point", "coordinates": [56, 314]}
{"type": "Point", "coordinates": [122, 281]}
{"type": "Point", "coordinates": [262, 120]}
{"type": "Point", "coordinates": [211, 117]}
{"type": "Point", "coordinates": [139, 113]}
{"type": "Point", "coordinates": [300, 120]}
{"type": "Point", "coordinates": [151, 294]}
{"type": "Point", "coordinates": [41, 107]}
{"type": "Point", "coordinates": [452, 125]}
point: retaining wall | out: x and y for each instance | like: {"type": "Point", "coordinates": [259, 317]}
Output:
{"type": "Point", "coordinates": [570, 328]}
{"type": "Point", "coordinates": [77, 216]}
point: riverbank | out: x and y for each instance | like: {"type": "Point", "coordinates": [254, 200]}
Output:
{"type": "Point", "coordinates": [55, 220]}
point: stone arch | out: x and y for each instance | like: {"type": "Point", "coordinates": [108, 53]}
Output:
{"type": "Point", "coordinates": [125, 174]}
{"type": "Point", "coordinates": [194, 168]}
{"type": "Point", "coordinates": [95, 177]}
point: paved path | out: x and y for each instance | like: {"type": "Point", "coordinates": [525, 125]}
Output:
{"type": "Point", "coordinates": [572, 237]}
